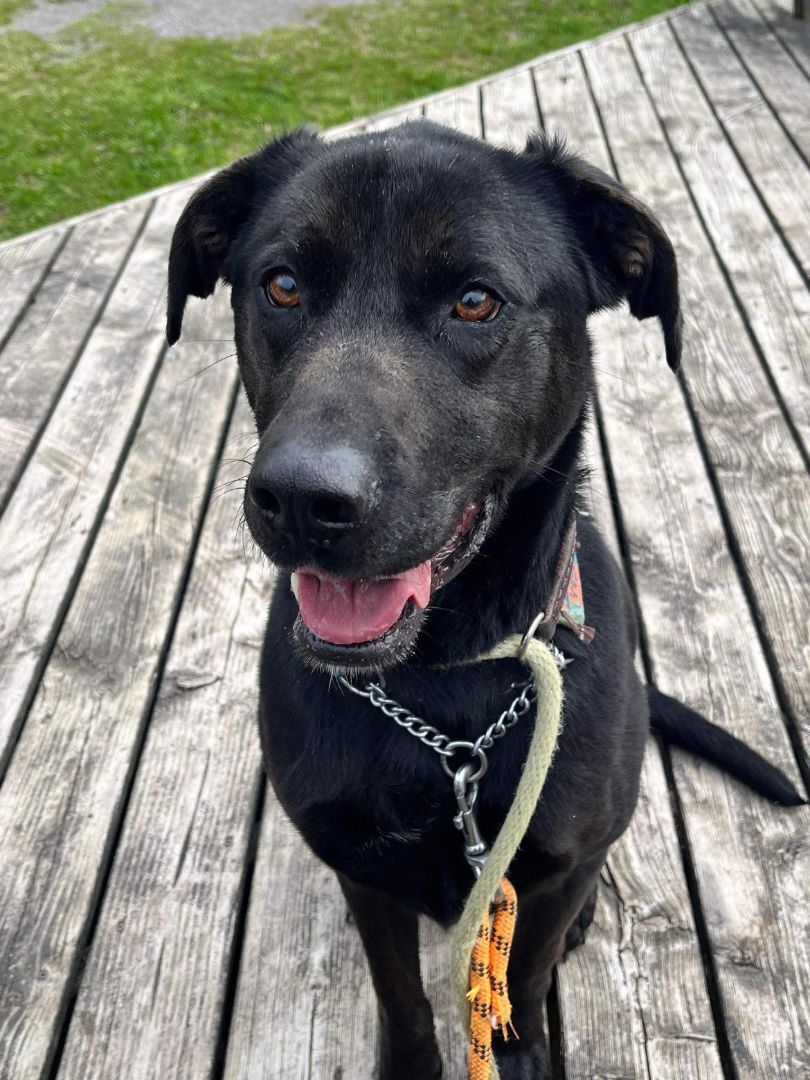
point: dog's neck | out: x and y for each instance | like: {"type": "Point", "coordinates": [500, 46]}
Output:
{"type": "Point", "coordinates": [508, 582]}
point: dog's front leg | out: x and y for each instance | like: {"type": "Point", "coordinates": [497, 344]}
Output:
{"type": "Point", "coordinates": [544, 917]}
{"type": "Point", "coordinates": [390, 935]}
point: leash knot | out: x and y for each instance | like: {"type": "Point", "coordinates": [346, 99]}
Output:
{"type": "Point", "coordinates": [491, 1009]}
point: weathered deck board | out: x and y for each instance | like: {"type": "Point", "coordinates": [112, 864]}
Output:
{"type": "Point", "coordinates": [762, 477]}
{"type": "Point", "coordinates": [509, 110]}
{"type": "Point", "coordinates": [793, 33]}
{"type": "Point", "coordinates": [461, 110]}
{"type": "Point", "coordinates": [127, 819]}
{"type": "Point", "coordinates": [48, 525]}
{"type": "Point", "coordinates": [776, 168]}
{"type": "Point", "coordinates": [768, 284]}
{"type": "Point", "coordinates": [68, 778]}
{"type": "Point", "coordinates": [703, 642]}
{"type": "Point", "coordinates": [153, 989]}
{"type": "Point", "coordinates": [40, 354]}
{"type": "Point", "coordinates": [22, 269]}
{"type": "Point", "coordinates": [783, 84]}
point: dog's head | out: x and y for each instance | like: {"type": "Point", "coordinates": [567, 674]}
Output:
{"type": "Point", "coordinates": [410, 312]}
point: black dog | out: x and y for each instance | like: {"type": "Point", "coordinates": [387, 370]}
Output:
{"type": "Point", "coordinates": [410, 312]}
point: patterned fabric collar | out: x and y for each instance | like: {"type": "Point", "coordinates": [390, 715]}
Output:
{"type": "Point", "coordinates": [566, 604]}
{"type": "Point", "coordinates": [572, 613]}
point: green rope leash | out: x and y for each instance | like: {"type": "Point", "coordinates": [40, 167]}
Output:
{"type": "Point", "coordinates": [548, 718]}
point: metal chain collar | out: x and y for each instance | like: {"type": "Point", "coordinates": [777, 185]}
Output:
{"type": "Point", "coordinates": [435, 739]}
{"type": "Point", "coordinates": [466, 778]}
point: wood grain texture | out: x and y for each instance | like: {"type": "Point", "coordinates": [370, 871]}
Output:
{"type": "Point", "coordinates": [62, 794]}
{"type": "Point", "coordinates": [633, 1000]}
{"type": "Point", "coordinates": [758, 466]}
{"type": "Point", "coordinates": [39, 356]}
{"type": "Point", "coordinates": [509, 110]}
{"type": "Point", "coordinates": [781, 176]}
{"type": "Point", "coordinates": [793, 33]}
{"type": "Point", "coordinates": [461, 110]}
{"type": "Point", "coordinates": [765, 278]}
{"type": "Point", "coordinates": [49, 523]}
{"type": "Point", "coordinates": [22, 267]}
{"type": "Point", "coordinates": [751, 858]}
{"type": "Point", "coordinates": [780, 79]}
{"type": "Point", "coordinates": [391, 119]}
{"type": "Point", "coordinates": [152, 992]}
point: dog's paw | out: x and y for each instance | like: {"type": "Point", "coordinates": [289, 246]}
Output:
{"type": "Point", "coordinates": [575, 935]}
{"type": "Point", "coordinates": [518, 1060]}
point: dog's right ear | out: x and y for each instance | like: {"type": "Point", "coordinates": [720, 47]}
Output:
{"type": "Point", "coordinates": [215, 214]}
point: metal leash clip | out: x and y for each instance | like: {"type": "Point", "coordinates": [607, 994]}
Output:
{"type": "Point", "coordinates": [465, 789]}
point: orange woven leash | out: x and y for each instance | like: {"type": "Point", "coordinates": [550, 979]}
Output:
{"type": "Point", "coordinates": [490, 1007]}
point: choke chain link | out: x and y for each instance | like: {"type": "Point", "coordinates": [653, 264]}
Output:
{"type": "Point", "coordinates": [431, 736]}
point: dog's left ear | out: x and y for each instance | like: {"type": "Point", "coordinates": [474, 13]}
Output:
{"type": "Point", "coordinates": [628, 254]}
{"type": "Point", "coordinates": [216, 212]}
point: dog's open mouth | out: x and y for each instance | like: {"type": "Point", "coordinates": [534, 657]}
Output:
{"type": "Point", "coordinates": [361, 622]}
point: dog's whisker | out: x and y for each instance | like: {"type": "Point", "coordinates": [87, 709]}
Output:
{"type": "Point", "coordinates": [241, 535]}
{"type": "Point", "coordinates": [232, 480]}
{"type": "Point", "coordinates": [230, 483]}
{"type": "Point", "coordinates": [235, 461]}
{"type": "Point", "coordinates": [219, 495]}
{"type": "Point", "coordinates": [539, 470]}
{"type": "Point", "coordinates": [443, 610]}
{"type": "Point", "coordinates": [207, 367]}
{"type": "Point", "coordinates": [225, 487]}
{"type": "Point", "coordinates": [250, 434]}
{"type": "Point", "coordinates": [614, 375]}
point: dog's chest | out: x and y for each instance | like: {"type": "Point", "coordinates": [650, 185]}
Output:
{"type": "Point", "coordinates": [374, 802]}
{"type": "Point", "coordinates": [398, 835]}
{"type": "Point", "coordinates": [406, 845]}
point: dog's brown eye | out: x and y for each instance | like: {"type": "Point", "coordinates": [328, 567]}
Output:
{"type": "Point", "coordinates": [476, 305]}
{"type": "Point", "coordinates": [282, 289]}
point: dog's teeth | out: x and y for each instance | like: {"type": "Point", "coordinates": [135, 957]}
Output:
{"type": "Point", "coordinates": [294, 584]}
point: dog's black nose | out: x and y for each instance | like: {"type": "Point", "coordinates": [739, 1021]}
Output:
{"type": "Point", "coordinates": [314, 495]}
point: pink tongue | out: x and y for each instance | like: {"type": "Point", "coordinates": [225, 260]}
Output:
{"type": "Point", "coordinates": [347, 612]}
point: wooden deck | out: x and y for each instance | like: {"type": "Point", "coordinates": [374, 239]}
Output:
{"type": "Point", "coordinates": [158, 917]}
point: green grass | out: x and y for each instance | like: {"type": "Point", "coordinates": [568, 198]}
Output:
{"type": "Point", "coordinates": [109, 109]}
{"type": "Point", "coordinates": [10, 8]}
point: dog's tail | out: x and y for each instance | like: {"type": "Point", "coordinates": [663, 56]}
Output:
{"type": "Point", "coordinates": [677, 723]}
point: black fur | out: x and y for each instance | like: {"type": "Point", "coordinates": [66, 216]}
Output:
{"type": "Point", "coordinates": [382, 231]}
{"type": "Point", "coordinates": [678, 724]}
